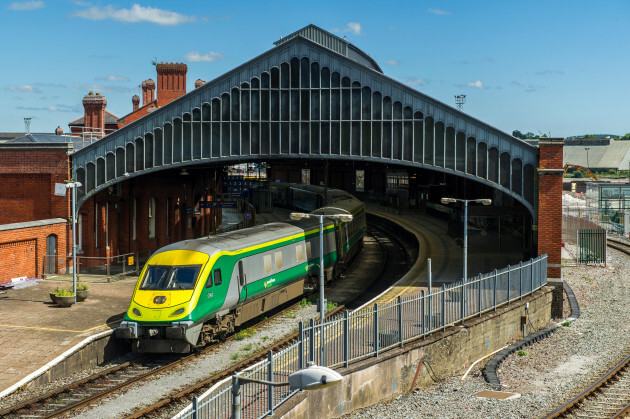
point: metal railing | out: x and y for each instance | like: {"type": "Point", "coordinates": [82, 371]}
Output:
{"type": "Point", "coordinates": [117, 266]}
{"type": "Point", "coordinates": [369, 331]}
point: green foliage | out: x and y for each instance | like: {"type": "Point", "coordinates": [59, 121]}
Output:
{"type": "Point", "coordinates": [305, 302]}
{"type": "Point", "coordinates": [625, 137]}
{"type": "Point", "coordinates": [63, 292]}
{"type": "Point", "coordinates": [264, 338]}
{"type": "Point", "coordinates": [566, 324]}
{"type": "Point", "coordinates": [290, 314]}
{"type": "Point", "coordinates": [522, 353]}
{"type": "Point", "coordinates": [234, 356]}
{"type": "Point", "coordinates": [527, 136]}
{"type": "Point", "coordinates": [246, 347]}
{"type": "Point", "coordinates": [245, 333]}
{"type": "Point", "coordinates": [82, 286]}
{"type": "Point", "coordinates": [330, 306]}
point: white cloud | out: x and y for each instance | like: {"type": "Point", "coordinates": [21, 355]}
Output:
{"type": "Point", "coordinates": [99, 88]}
{"type": "Point", "coordinates": [194, 56]}
{"type": "Point", "coordinates": [113, 78]}
{"type": "Point", "coordinates": [136, 14]}
{"type": "Point", "coordinates": [438, 12]}
{"type": "Point", "coordinates": [476, 84]}
{"type": "Point", "coordinates": [27, 88]}
{"type": "Point", "coordinates": [352, 27]}
{"type": "Point", "coordinates": [414, 81]}
{"type": "Point", "coordinates": [26, 5]}
{"type": "Point", "coordinates": [392, 62]}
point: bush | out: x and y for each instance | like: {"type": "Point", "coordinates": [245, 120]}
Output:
{"type": "Point", "coordinates": [82, 286]}
{"type": "Point", "coordinates": [63, 292]}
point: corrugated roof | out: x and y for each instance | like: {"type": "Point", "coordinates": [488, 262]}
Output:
{"type": "Point", "coordinates": [334, 43]}
{"type": "Point", "coordinates": [616, 155]}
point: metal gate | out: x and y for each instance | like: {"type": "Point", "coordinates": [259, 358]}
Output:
{"type": "Point", "coordinates": [591, 245]}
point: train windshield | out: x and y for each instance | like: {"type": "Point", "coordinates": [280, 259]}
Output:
{"type": "Point", "coordinates": [170, 277]}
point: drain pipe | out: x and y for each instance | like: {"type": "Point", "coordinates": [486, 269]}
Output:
{"type": "Point", "coordinates": [477, 361]}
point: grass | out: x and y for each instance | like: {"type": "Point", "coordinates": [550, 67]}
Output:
{"type": "Point", "coordinates": [305, 302]}
{"type": "Point", "coordinates": [246, 347]}
{"type": "Point", "coordinates": [522, 353]}
{"type": "Point", "coordinates": [566, 324]}
{"type": "Point", "coordinates": [245, 333]}
{"type": "Point", "coordinates": [290, 314]}
{"type": "Point", "coordinates": [264, 338]}
{"type": "Point", "coordinates": [234, 356]}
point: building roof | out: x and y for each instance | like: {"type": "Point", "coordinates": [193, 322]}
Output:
{"type": "Point", "coordinates": [110, 118]}
{"type": "Point", "coordinates": [77, 142]}
{"type": "Point", "coordinates": [27, 224]}
{"type": "Point", "coordinates": [334, 43]}
{"type": "Point", "coordinates": [605, 155]}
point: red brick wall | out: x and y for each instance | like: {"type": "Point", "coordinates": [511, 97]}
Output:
{"type": "Point", "coordinates": [23, 251]}
{"type": "Point", "coordinates": [550, 173]}
{"type": "Point", "coordinates": [27, 183]}
{"type": "Point", "coordinates": [171, 82]}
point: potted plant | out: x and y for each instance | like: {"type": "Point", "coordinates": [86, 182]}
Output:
{"type": "Point", "coordinates": [82, 292]}
{"type": "Point", "coordinates": [64, 297]}
{"type": "Point", "coordinates": [53, 295]}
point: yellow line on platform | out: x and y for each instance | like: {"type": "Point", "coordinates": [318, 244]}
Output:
{"type": "Point", "coordinates": [50, 329]}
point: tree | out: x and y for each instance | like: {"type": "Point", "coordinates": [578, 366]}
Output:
{"type": "Point", "coordinates": [626, 137]}
{"type": "Point", "coordinates": [517, 134]}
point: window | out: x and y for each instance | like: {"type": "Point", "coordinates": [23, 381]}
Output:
{"type": "Point", "coordinates": [209, 281]}
{"type": "Point", "coordinates": [299, 253]}
{"type": "Point", "coordinates": [133, 218]}
{"type": "Point", "coordinates": [152, 218]}
{"type": "Point", "coordinates": [267, 263]}
{"type": "Point", "coordinates": [217, 277]}
{"type": "Point", "coordinates": [309, 252]}
{"type": "Point", "coordinates": [278, 258]}
{"type": "Point", "coordinates": [170, 277]}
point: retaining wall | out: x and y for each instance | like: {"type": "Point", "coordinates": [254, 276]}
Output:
{"type": "Point", "coordinates": [447, 353]}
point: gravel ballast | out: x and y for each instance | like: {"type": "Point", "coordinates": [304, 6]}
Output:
{"type": "Point", "coordinates": [550, 371]}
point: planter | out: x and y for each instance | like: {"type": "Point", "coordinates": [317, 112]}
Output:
{"type": "Point", "coordinates": [65, 301]}
{"type": "Point", "coordinates": [53, 297]}
{"type": "Point", "coordinates": [82, 295]}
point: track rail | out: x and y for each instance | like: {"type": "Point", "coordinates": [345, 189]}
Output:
{"type": "Point", "coordinates": [103, 384]}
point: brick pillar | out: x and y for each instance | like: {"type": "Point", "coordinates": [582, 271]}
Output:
{"type": "Point", "coordinates": [550, 173]}
{"type": "Point", "coordinates": [199, 83]}
{"type": "Point", "coordinates": [135, 101]}
{"type": "Point", "coordinates": [94, 120]}
{"type": "Point", "coordinates": [171, 83]}
{"type": "Point", "coordinates": [148, 91]}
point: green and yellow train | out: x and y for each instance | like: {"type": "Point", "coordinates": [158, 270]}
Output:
{"type": "Point", "coordinates": [196, 291]}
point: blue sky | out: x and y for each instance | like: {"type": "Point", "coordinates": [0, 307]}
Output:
{"type": "Point", "coordinates": [555, 67]}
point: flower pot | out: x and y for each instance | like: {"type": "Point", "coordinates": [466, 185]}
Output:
{"type": "Point", "coordinates": [82, 295]}
{"type": "Point", "coordinates": [53, 297]}
{"type": "Point", "coordinates": [65, 301]}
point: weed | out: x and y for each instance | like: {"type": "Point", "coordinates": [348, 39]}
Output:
{"type": "Point", "coordinates": [305, 302]}
{"type": "Point", "coordinates": [290, 314]}
{"type": "Point", "coordinates": [264, 338]}
{"type": "Point", "coordinates": [521, 353]}
{"type": "Point", "coordinates": [246, 347]}
{"type": "Point", "coordinates": [245, 333]}
{"type": "Point", "coordinates": [330, 306]}
{"type": "Point", "coordinates": [234, 356]}
{"type": "Point", "coordinates": [566, 324]}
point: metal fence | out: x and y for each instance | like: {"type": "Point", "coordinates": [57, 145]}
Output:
{"type": "Point", "coordinates": [369, 331]}
{"type": "Point", "coordinates": [579, 218]}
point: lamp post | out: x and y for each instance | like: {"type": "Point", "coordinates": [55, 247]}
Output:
{"type": "Point", "coordinates": [311, 378]}
{"type": "Point", "coordinates": [343, 217]}
{"type": "Point", "coordinates": [74, 186]}
{"type": "Point", "coordinates": [588, 166]}
{"type": "Point", "coordinates": [484, 201]}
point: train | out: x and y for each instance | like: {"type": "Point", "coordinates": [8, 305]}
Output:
{"type": "Point", "coordinates": [197, 291]}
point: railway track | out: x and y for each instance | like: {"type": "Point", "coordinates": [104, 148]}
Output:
{"type": "Point", "coordinates": [609, 396]}
{"type": "Point", "coordinates": [90, 390]}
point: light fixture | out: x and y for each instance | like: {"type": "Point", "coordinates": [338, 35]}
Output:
{"type": "Point", "coordinates": [184, 172]}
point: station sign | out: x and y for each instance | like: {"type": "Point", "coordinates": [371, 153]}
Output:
{"type": "Point", "coordinates": [217, 204]}
{"type": "Point", "coordinates": [237, 185]}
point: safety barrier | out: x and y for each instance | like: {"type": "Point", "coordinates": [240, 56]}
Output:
{"type": "Point", "coordinates": [367, 332]}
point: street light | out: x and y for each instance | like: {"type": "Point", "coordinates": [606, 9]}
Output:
{"type": "Point", "coordinates": [588, 166]}
{"type": "Point", "coordinates": [484, 201]}
{"type": "Point", "coordinates": [311, 378]}
{"type": "Point", "coordinates": [74, 186]}
{"type": "Point", "coordinates": [343, 217]}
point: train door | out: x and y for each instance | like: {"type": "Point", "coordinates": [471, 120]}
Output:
{"type": "Point", "coordinates": [242, 281]}
{"type": "Point", "coordinates": [341, 238]}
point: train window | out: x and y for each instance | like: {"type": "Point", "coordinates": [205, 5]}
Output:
{"type": "Point", "coordinates": [309, 252]}
{"type": "Point", "coordinates": [267, 263]}
{"type": "Point", "coordinates": [209, 281]}
{"type": "Point", "coordinates": [299, 253]}
{"type": "Point", "coordinates": [217, 277]}
{"type": "Point", "coordinates": [278, 257]}
{"type": "Point", "coordinates": [241, 273]}
{"type": "Point", "coordinates": [170, 277]}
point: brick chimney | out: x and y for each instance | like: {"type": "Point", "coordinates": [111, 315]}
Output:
{"type": "Point", "coordinates": [135, 100]}
{"type": "Point", "coordinates": [94, 120]}
{"type": "Point", "coordinates": [199, 83]}
{"type": "Point", "coordinates": [148, 91]}
{"type": "Point", "coordinates": [171, 82]}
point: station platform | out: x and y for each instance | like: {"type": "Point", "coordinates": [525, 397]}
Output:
{"type": "Point", "coordinates": [34, 331]}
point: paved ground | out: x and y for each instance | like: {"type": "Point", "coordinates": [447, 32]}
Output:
{"type": "Point", "coordinates": [34, 331]}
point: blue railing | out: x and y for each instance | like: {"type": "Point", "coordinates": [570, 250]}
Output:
{"type": "Point", "coordinates": [367, 332]}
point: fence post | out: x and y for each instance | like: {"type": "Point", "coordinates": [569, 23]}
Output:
{"type": "Point", "coordinates": [311, 340]}
{"type": "Point", "coordinates": [423, 313]}
{"type": "Point", "coordinates": [520, 278]}
{"type": "Point", "coordinates": [376, 331]}
{"type": "Point", "coordinates": [443, 307]}
{"type": "Point", "coordinates": [270, 379]}
{"type": "Point", "coordinates": [195, 405]}
{"type": "Point", "coordinates": [124, 262]}
{"type": "Point", "coordinates": [479, 294]}
{"type": "Point", "coordinates": [463, 304]}
{"type": "Point", "coordinates": [346, 338]}
{"type": "Point", "coordinates": [531, 276]}
{"type": "Point", "coordinates": [495, 290]}
{"type": "Point", "coordinates": [400, 321]}
{"type": "Point", "coordinates": [301, 345]}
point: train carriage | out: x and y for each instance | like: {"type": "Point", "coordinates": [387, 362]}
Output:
{"type": "Point", "coordinates": [196, 291]}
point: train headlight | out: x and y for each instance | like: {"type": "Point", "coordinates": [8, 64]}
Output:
{"type": "Point", "coordinates": [136, 312]}
{"type": "Point", "coordinates": [160, 299]}
{"type": "Point", "coordinates": [178, 312]}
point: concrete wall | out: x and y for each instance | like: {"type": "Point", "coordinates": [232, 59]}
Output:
{"type": "Point", "coordinates": [447, 353]}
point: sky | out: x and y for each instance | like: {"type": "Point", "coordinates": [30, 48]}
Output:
{"type": "Point", "coordinates": [555, 67]}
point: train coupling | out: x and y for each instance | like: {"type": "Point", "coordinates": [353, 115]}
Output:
{"type": "Point", "coordinates": [127, 330]}
{"type": "Point", "coordinates": [177, 330]}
